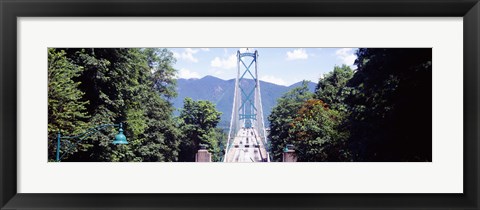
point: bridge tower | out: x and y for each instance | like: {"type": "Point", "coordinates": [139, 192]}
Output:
{"type": "Point", "coordinates": [247, 111]}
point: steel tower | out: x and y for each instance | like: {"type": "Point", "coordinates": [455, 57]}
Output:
{"type": "Point", "coordinates": [247, 111]}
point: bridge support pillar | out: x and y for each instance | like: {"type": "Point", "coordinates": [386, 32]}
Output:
{"type": "Point", "coordinates": [203, 156]}
{"type": "Point", "coordinates": [289, 155]}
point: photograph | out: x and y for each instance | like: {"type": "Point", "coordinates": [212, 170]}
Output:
{"type": "Point", "coordinates": [239, 104]}
{"type": "Point", "coordinates": [316, 104]}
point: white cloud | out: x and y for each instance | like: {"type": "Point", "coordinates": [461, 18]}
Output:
{"type": "Point", "coordinates": [297, 54]}
{"type": "Point", "coordinates": [346, 55]}
{"type": "Point", "coordinates": [190, 50]}
{"type": "Point", "coordinates": [224, 63]}
{"type": "Point", "coordinates": [205, 49]}
{"type": "Point", "coordinates": [187, 55]}
{"type": "Point", "coordinates": [215, 71]}
{"type": "Point", "coordinates": [273, 79]}
{"type": "Point", "coordinates": [187, 74]}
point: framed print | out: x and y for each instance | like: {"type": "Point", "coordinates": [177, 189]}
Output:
{"type": "Point", "coordinates": [152, 104]}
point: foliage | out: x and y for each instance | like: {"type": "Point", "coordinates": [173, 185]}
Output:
{"type": "Point", "coordinates": [161, 61]}
{"type": "Point", "coordinates": [198, 120]}
{"type": "Point", "coordinates": [380, 112]}
{"type": "Point", "coordinates": [282, 116]}
{"type": "Point", "coordinates": [332, 88]}
{"type": "Point", "coordinates": [317, 134]}
{"type": "Point", "coordinates": [131, 86]}
{"type": "Point", "coordinates": [391, 113]}
{"type": "Point", "coordinates": [66, 109]}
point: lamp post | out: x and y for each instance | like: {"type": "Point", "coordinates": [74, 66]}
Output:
{"type": "Point", "coordinates": [288, 147]}
{"type": "Point", "coordinates": [289, 154]}
{"type": "Point", "coordinates": [119, 138]}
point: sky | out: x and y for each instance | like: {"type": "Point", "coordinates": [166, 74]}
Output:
{"type": "Point", "coordinates": [282, 66]}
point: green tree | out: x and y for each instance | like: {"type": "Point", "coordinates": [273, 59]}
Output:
{"type": "Point", "coordinates": [391, 105]}
{"type": "Point", "coordinates": [122, 85]}
{"type": "Point", "coordinates": [161, 62]}
{"type": "Point", "coordinates": [66, 109]}
{"type": "Point", "coordinates": [332, 88]}
{"type": "Point", "coordinates": [198, 120]}
{"type": "Point", "coordinates": [282, 117]}
{"type": "Point", "coordinates": [317, 133]}
{"type": "Point", "coordinates": [162, 137]}
{"type": "Point", "coordinates": [115, 82]}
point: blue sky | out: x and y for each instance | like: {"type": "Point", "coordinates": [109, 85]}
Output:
{"type": "Point", "coordinates": [283, 66]}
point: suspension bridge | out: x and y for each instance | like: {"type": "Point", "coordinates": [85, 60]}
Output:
{"type": "Point", "coordinates": [247, 141]}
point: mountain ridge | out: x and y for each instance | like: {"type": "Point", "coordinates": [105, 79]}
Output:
{"type": "Point", "coordinates": [220, 92]}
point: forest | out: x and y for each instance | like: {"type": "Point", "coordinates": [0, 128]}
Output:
{"type": "Point", "coordinates": [90, 87]}
{"type": "Point", "coordinates": [381, 111]}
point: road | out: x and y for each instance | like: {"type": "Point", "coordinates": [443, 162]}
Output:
{"type": "Point", "coordinates": [247, 147]}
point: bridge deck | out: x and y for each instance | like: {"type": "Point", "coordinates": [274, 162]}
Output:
{"type": "Point", "coordinates": [247, 147]}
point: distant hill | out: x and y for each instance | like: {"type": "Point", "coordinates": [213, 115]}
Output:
{"type": "Point", "coordinates": [221, 93]}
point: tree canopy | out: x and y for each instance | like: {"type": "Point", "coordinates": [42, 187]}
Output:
{"type": "Point", "coordinates": [112, 85]}
{"type": "Point", "coordinates": [198, 120]}
{"type": "Point", "coordinates": [282, 117]}
{"type": "Point", "coordinates": [67, 110]}
{"type": "Point", "coordinates": [382, 111]}
{"type": "Point", "coordinates": [391, 105]}
{"type": "Point", "coordinates": [317, 135]}
{"type": "Point", "coordinates": [332, 89]}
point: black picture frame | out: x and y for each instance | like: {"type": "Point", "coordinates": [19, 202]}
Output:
{"type": "Point", "coordinates": [11, 9]}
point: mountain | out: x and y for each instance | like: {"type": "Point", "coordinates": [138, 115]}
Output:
{"type": "Point", "coordinates": [311, 86]}
{"type": "Point", "coordinates": [221, 93]}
